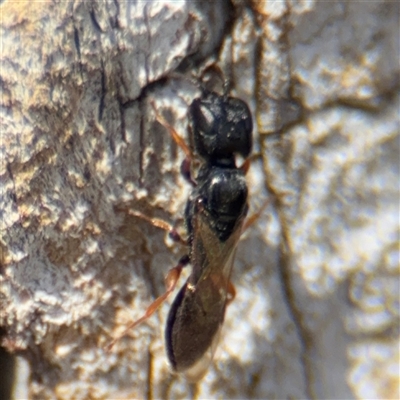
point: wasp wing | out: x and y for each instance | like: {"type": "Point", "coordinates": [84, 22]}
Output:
{"type": "Point", "coordinates": [197, 313]}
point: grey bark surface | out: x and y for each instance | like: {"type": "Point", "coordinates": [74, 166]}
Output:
{"type": "Point", "coordinates": [317, 275]}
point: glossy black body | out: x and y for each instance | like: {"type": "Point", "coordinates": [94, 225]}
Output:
{"type": "Point", "coordinates": [221, 128]}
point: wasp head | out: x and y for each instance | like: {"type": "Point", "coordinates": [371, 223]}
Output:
{"type": "Point", "coordinates": [222, 127]}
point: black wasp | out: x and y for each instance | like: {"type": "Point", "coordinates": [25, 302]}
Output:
{"type": "Point", "coordinates": [221, 129]}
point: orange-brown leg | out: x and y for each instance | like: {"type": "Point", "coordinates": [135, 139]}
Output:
{"type": "Point", "coordinates": [178, 140]}
{"type": "Point", "coordinates": [249, 221]}
{"type": "Point", "coordinates": [254, 217]}
{"type": "Point", "coordinates": [170, 282]}
{"type": "Point", "coordinates": [187, 162]}
{"type": "Point", "coordinates": [245, 166]}
{"type": "Point", "coordinates": [159, 223]}
{"type": "Point", "coordinates": [231, 293]}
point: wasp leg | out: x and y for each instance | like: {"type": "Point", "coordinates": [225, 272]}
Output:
{"type": "Point", "coordinates": [178, 140]}
{"type": "Point", "coordinates": [186, 171]}
{"type": "Point", "coordinates": [187, 162]}
{"type": "Point", "coordinates": [170, 282]}
{"type": "Point", "coordinates": [186, 165]}
{"type": "Point", "coordinates": [159, 223]}
{"type": "Point", "coordinates": [245, 166]}
{"type": "Point", "coordinates": [231, 293]}
{"type": "Point", "coordinates": [254, 217]}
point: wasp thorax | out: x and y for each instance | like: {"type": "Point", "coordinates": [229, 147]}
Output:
{"type": "Point", "coordinates": [227, 194]}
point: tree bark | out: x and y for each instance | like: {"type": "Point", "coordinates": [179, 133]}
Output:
{"type": "Point", "coordinates": [317, 277]}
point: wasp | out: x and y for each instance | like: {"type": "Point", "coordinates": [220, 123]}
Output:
{"type": "Point", "coordinates": [221, 131]}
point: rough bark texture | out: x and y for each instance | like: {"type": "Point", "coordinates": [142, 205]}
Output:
{"type": "Point", "coordinates": [317, 276]}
